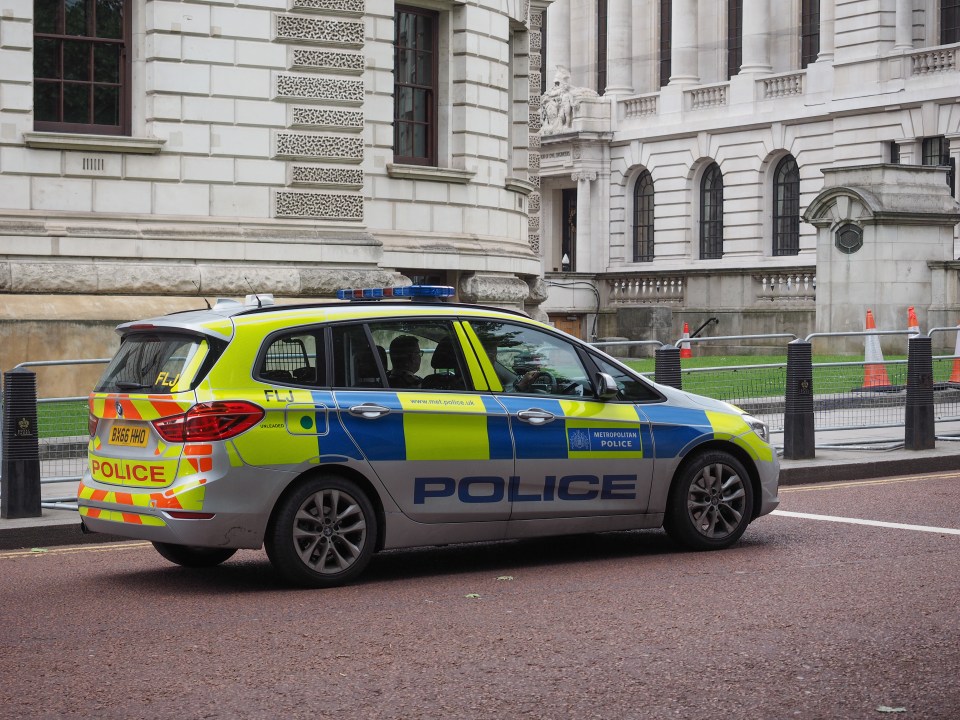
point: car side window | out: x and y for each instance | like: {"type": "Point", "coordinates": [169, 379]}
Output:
{"type": "Point", "coordinates": [527, 360]}
{"type": "Point", "coordinates": [420, 354]}
{"type": "Point", "coordinates": [356, 362]}
{"type": "Point", "coordinates": [630, 388]}
{"type": "Point", "coordinates": [293, 359]}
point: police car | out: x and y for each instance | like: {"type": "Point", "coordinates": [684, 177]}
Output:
{"type": "Point", "coordinates": [327, 432]}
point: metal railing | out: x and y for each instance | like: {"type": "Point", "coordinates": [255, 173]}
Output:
{"type": "Point", "coordinates": [843, 395]}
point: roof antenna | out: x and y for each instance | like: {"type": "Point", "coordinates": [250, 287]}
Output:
{"type": "Point", "coordinates": [197, 286]}
{"type": "Point", "coordinates": [254, 292]}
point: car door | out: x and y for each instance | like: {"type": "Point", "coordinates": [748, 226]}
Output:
{"type": "Point", "coordinates": [576, 455]}
{"type": "Point", "coordinates": [405, 394]}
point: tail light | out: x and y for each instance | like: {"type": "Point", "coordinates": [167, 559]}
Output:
{"type": "Point", "coordinates": [210, 421]}
{"type": "Point", "coordinates": [92, 422]}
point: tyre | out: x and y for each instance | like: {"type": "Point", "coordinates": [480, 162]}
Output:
{"type": "Point", "coordinates": [710, 503]}
{"type": "Point", "coordinates": [322, 533]}
{"type": "Point", "coordinates": [192, 556]}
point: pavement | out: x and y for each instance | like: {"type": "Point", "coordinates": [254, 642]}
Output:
{"type": "Point", "coordinates": [840, 456]}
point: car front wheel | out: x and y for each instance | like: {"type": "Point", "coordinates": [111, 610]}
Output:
{"type": "Point", "coordinates": [710, 502]}
{"type": "Point", "coordinates": [323, 533]}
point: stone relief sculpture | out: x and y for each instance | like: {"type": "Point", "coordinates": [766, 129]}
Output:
{"type": "Point", "coordinates": [558, 103]}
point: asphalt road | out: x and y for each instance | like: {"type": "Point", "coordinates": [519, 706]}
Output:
{"type": "Point", "coordinates": [805, 618]}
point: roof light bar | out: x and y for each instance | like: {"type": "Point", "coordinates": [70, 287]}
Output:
{"type": "Point", "coordinates": [410, 291]}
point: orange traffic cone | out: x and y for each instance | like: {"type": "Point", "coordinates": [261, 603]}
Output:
{"type": "Point", "coordinates": [955, 375]}
{"type": "Point", "coordinates": [874, 371]}
{"type": "Point", "coordinates": [685, 351]}
{"type": "Point", "coordinates": [913, 325]}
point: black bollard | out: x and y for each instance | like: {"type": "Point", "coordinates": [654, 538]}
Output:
{"type": "Point", "coordinates": [667, 366]}
{"type": "Point", "coordinates": [20, 483]}
{"type": "Point", "coordinates": [798, 428]}
{"type": "Point", "coordinates": [919, 430]}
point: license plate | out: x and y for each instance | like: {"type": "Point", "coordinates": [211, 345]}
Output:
{"type": "Point", "coordinates": [129, 435]}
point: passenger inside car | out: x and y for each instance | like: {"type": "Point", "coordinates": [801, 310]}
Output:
{"type": "Point", "coordinates": [405, 357]}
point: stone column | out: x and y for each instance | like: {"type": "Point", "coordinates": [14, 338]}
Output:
{"type": "Point", "coordinates": [903, 40]}
{"type": "Point", "coordinates": [756, 37]}
{"type": "Point", "coordinates": [619, 48]}
{"type": "Point", "coordinates": [827, 40]}
{"type": "Point", "coordinates": [558, 38]}
{"type": "Point", "coordinates": [683, 38]}
{"type": "Point", "coordinates": [584, 180]}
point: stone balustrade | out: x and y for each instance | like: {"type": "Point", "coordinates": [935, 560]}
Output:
{"type": "Point", "coordinates": [659, 289]}
{"type": "Point", "coordinates": [778, 86]}
{"type": "Point", "coordinates": [641, 106]}
{"type": "Point", "coordinates": [706, 96]}
{"type": "Point", "coordinates": [747, 288]}
{"type": "Point", "coordinates": [937, 60]}
{"type": "Point", "coordinates": [791, 286]}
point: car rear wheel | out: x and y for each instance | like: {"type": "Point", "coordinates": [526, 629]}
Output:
{"type": "Point", "coordinates": [323, 533]}
{"type": "Point", "coordinates": [192, 556]}
{"type": "Point", "coordinates": [710, 502]}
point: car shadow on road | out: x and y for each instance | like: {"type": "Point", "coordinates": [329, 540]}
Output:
{"type": "Point", "coordinates": [250, 571]}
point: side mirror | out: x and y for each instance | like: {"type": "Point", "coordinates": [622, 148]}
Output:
{"type": "Point", "coordinates": [606, 386]}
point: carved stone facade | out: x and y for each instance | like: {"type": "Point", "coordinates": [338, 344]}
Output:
{"type": "Point", "coordinates": [334, 94]}
{"type": "Point", "coordinates": [768, 109]}
{"type": "Point", "coordinates": [259, 157]}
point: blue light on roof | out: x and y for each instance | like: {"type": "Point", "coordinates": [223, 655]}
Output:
{"type": "Point", "coordinates": [409, 291]}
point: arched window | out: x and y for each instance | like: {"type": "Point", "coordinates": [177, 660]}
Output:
{"type": "Point", "coordinates": [643, 218]}
{"type": "Point", "coordinates": [786, 207]}
{"type": "Point", "coordinates": [711, 213]}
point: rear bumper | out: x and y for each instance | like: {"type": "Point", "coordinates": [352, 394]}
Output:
{"type": "Point", "coordinates": [227, 530]}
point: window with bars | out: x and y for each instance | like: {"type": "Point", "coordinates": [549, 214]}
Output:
{"type": "Point", "coordinates": [734, 37]}
{"type": "Point", "coordinates": [601, 46]}
{"type": "Point", "coordinates": [666, 46]}
{"type": "Point", "coordinates": [786, 207]}
{"type": "Point", "coordinates": [809, 31]}
{"type": "Point", "coordinates": [415, 86]}
{"type": "Point", "coordinates": [643, 218]}
{"type": "Point", "coordinates": [949, 21]}
{"type": "Point", "coordinates": [711, 213]}
{"type": "Point", "coordinates": [936, 151]}
{"type": "Point", "coordinates": [81, 66]}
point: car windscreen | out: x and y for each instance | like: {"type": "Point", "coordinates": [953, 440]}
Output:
{"type": "Point", "coordinates": [155, 363]}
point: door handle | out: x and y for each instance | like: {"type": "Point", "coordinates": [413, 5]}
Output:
{"type": "Point", "coordinates": [536, 416]}
{"type": "Point", "coordinates": [369, 411]}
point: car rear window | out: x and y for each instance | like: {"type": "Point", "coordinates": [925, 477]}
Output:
{"type": "Point", "coordinates": [157, 363]}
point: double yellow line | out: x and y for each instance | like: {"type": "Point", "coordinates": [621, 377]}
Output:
{"type": "Point", "coordinates": [71, 550]}
{"type": "Point", "coordinates": [878, 481]}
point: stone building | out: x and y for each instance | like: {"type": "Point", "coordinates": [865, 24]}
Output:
{"type": "Point", "coordinates": [155, 153]}
{"type": "Point", "coordinates": [676, 189]}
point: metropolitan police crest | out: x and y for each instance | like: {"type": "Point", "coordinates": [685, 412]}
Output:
{"type": "Point", "coordinates": [579, 440]}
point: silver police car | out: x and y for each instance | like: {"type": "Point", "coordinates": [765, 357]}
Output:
{"type": "Point", "coordinates": [327, 432]}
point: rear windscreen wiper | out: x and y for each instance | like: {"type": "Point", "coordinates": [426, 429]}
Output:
{"type": "Point", "coordinates": [123, 385]}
